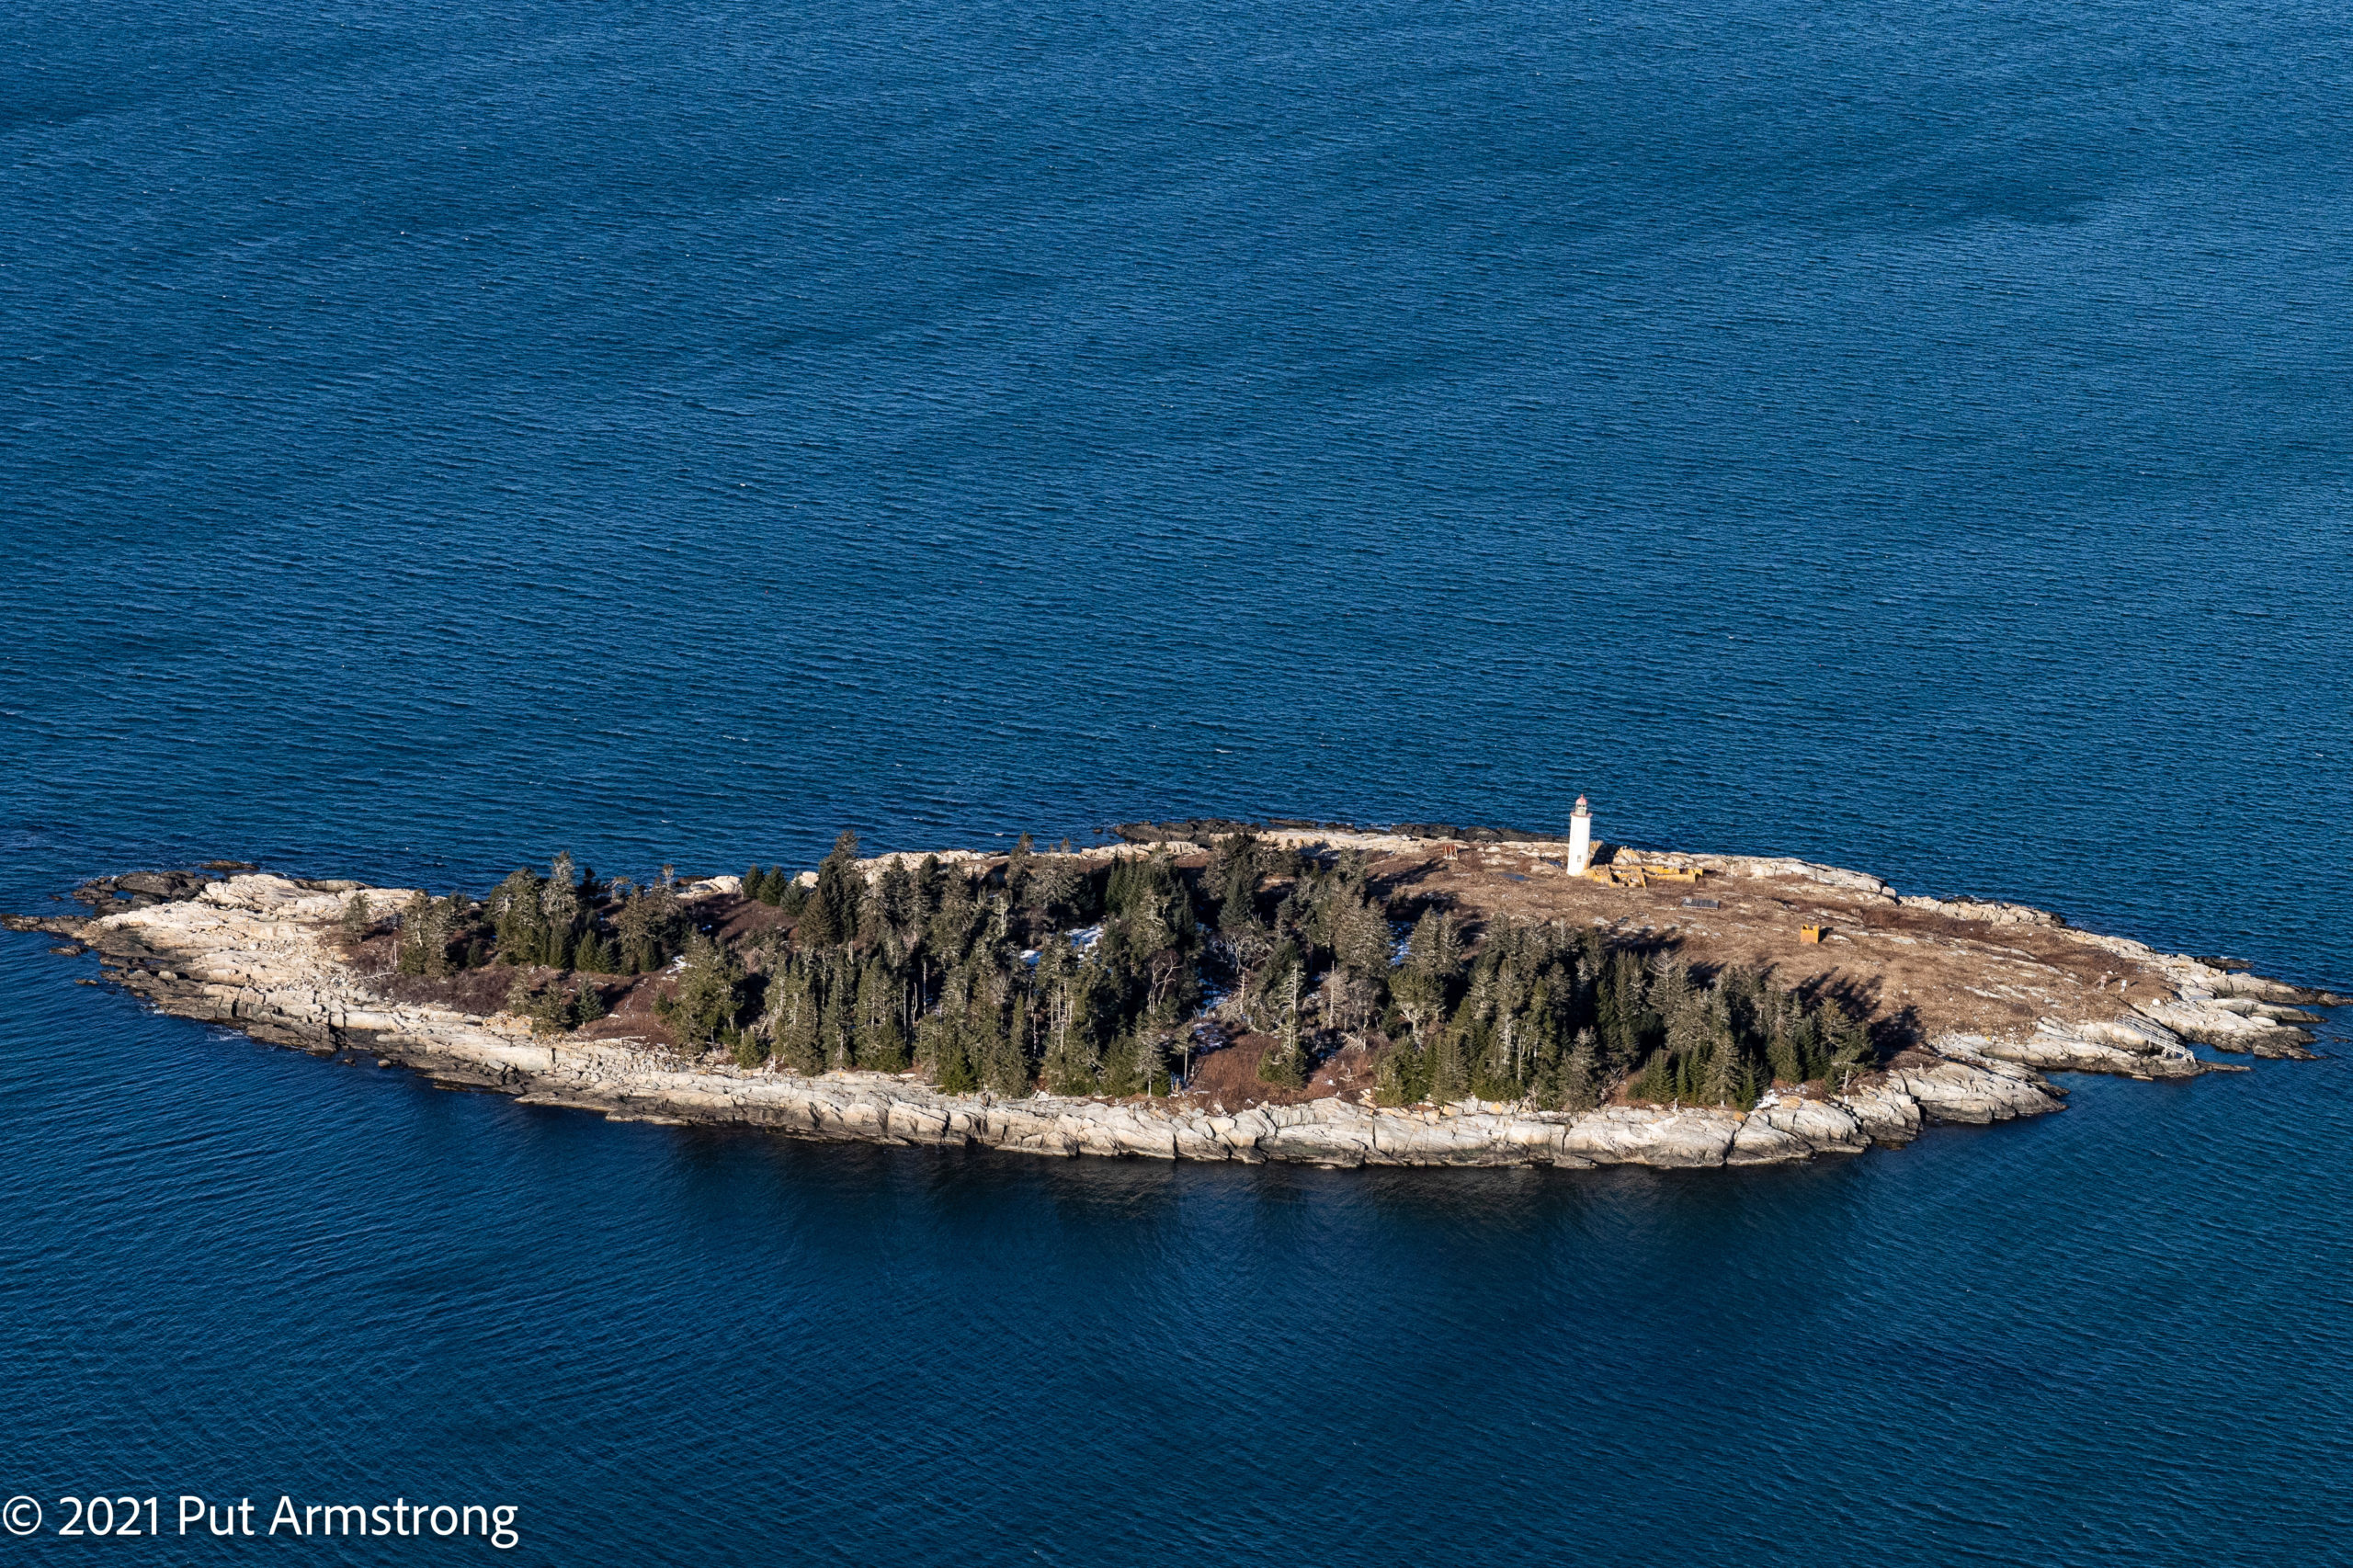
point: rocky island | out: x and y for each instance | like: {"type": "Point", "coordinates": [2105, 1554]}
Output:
{"type": "Point", "coordinates": [1211, 991]}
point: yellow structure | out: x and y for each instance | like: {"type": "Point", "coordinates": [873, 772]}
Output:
{"type": "Point", "coordinates": [1644, 876]}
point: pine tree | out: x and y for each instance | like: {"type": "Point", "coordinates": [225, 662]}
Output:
{"type": "Point", "coordinates": [1450, 1074]}
{"type": "Point", "coordinates": [647, 930]}
{"type": "Point", "coordinates": [594, 954]}
{"type": "Point", "coordinates": [518, 918]}
{"type": "Point", "coordinates": [427, 927]}
{"type": "Point", "coordinates": [954, 923]}
{"type": "Point", "coordinates": [558, 912]}
{"type": "Point", "coordinates": [1635, 1024]}
{"type": "Point", "coordinates": [553, 1008]}
{"type": "Point", "coordinates": [1149, 1055]}
{"type": "Point", "coordinates": [1286, 1063]}
{"type": "Point", "coordinates": [1671, 999]}
{"type": "Point", "coordinates": [1420, 1000]}
{"type": "Point", "coordinates": [1655, 1082]}
{"type": "Point", "coordinates": [408, 945]}
{"type": "Point", "coordinates": [945, 1051]}
{"type": "Point", "coordinates": [1018, 870]}
{"type": "Point", "coordinates": [1069, 1061]}
{"type": "Point", "coordinates": [1401, 1077]}
{"type": "Point", "coordinates": [1436, 947]}
{"type": "Point", "coordinates": [1005, 1066]}
{"type": "Point", "coordinates": [709, 998]}
{"type": "Point", "coordinates": [831, 915]}
{"type": "Point", "coordinates": [1581, 1074]}
{"type": "Point", "coordinates": [1358, 933]}
{"type": "Point", "coordinates": [793, 1026]}
{"type": "Point", "coordinates": [903, 907]}
{"type": "Point", "coordinates": [1057, 891]}
{"type": "Point", "coordinates": [834, 1027]}
{"type": "Point", "coordinates": [1722, 1072]}
{"type": "Point", "coordinates": [881, 1042]}
{"type": "Point", "coordinates": [1851, 1052]}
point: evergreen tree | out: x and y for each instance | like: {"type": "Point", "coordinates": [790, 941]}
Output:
{"type": "Point", "coordinates": [1794, 1042]}
{"type": "Point", "coordinates": [1067, 1054]}
{"type": "Point", "coordinates": [709, 999]}
{"type": "Point", "coordinates": [1059, 891]}
{"type": "Point", "coordinates": [1656, 1081]}
{"type": "Point", "coordinates": [558, 912]}
{"type": "Point", "coordinates": [1723, 1077]}
{"type": "Point", "coordinates": [903, 907]}
{"type": "Point", "coordinates": [409, 938]}
{"type": "Point", "coordinates": [518, 919]}
{"type": "Point", "coordinates": [956, 922]}
{"type": "Point", "coordinates": [882, 1040]}
{"type": "Point", "coordinates": [836, 1019]}
{"type": "Point", "coordinates": [1851, 1052]}
{"type": "Point", "coordinates": [1580, 1081]}
{"type": "Point", "coordinates": [1623, 1015]}
{"type": "Point", "coordinates": [1402, 1076]}
{"type": "Point", "coordinates": [1358, 933]}
{"type": "Point", "coordinates": [594, 954]}
{"type": "Point", "coordinates": [427, 929]}
{"type": "Point", "coordinates": [831, 915]}
{"type": "Point", "coordinates": [648, 929]}
{"type": "Point", "coordinates": [1286, 1064]}
{"type": "Point", "coordinates": [1421, 987]}
{"type": "Point", "coordinates": [1005, 1066]}
{"type": "Point", "coordinates": [1449, 1074]}
{"type": "Point", "coordinates": [792, 1021]}
{"type": "Point", "coordinates": [556, 1007]}
{"type": "Point", "coordinates": [1143, 1064]}
{"type": "Point", "coordinates": [944, 1047]}
{"type": "Point", "coordinates": [1434, 949]}
{"type": "Point", "coordinates": [1229, 881]}
{"type": "Point", "coordinates": [1017, 869]}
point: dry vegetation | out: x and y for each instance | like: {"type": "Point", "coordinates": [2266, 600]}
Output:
{"type": "Point", "coordinates": [1906, 974]}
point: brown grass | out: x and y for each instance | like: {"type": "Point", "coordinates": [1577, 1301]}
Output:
{"type": "Point", "coordinates": [1913, 973]}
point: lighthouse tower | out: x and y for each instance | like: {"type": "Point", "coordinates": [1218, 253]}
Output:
{"type": "Point", "coordinates": [1580, 837]}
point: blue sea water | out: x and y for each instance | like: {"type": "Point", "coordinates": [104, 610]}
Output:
{"type": "Point", "coordinates": [1913, 436]}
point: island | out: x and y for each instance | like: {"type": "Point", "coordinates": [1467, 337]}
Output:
{"type": "Point", "coordinates": [1213, 991]}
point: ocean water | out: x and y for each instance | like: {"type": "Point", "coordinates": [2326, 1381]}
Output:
{"type": "Point", "coordinates": [1911, 436]}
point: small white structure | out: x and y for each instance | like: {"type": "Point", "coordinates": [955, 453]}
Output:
{"type": "Point", "coordinates": [1580, 837]}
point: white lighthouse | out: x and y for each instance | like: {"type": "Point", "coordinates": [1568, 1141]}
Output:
{"type": "Point", "coordinates": [1580, 837]}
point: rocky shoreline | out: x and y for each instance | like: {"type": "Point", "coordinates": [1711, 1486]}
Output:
{"type": "Point", "coordinates": [255, 952]}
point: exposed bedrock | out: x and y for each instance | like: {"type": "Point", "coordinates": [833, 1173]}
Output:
{"type": "Point", "coordinates": [2232, 1023]}
{"type": "Point", "coordinates": [2134, 1047]}
{"type": "Point", "coordinates": [257, 952]}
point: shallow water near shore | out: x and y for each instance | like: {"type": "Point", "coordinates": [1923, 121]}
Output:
{"type": "Point", "coordinates": [1910, 438]}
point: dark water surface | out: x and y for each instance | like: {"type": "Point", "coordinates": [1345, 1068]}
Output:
{"type": "Point", "coordinates": [1916, 437]}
